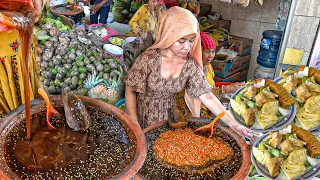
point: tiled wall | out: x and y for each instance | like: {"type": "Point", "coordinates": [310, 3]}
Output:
{"type": "Point", "coordinates": [249, 22]}
{"type": "Point", "coordinates": [304, 26]}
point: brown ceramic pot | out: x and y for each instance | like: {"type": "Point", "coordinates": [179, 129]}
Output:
{"type": "Point", "coordinates": [246, 162]}
{"type": "Point", "coordinates": [133, 129]}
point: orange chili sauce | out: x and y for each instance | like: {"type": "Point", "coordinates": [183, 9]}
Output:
{"type": "Point", "coordinates": [182, 147]}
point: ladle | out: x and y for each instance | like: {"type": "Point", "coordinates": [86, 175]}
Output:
{"type": "Point", "coordinates": [50, 110]}
{"type": "Point", "coordinates": [211, 125]}
{"type": "Point", "coordinates": [177, 119]}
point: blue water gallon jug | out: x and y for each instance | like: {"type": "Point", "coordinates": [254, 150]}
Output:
{"type": "Point", "coordinates": [271, 38]}
{"type": "Point", "coordinates": [266, 63]}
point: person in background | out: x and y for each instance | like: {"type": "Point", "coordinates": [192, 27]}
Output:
{"type": "Point", "coordinates": [11, 63]}
{"type": "Point", "coordinates": [146, 19]}
{"type": "Point", "coordinates": [99, 8]}
{"type": "Point", "coordinates": [171, 64]}
{"type": "Point", "coordinates": [208, 47]}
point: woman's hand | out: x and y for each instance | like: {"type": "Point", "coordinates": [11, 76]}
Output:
{"type": "Point", "coordinates": [244, 132]}
{"type": "Point", "coordinates": [95, 8]}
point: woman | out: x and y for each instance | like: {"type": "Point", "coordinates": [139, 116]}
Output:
{"type": "Point", "coordinates": [208, 52]}
{"type": "Point", "coordinates": [170, 65]}
{"type": "Point", "coordinates": [146, 18]}
{"type": "Point", "coordinates": [11, 63]}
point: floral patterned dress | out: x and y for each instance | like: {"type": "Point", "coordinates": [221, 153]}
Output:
{"type": "Point", "coordinates": [156, 94]}
{"type": "Point", "coordinates": [11, 81]}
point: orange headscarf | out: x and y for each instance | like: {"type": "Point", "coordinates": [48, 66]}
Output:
{"type": "Point", "coordinates": [175, 24]}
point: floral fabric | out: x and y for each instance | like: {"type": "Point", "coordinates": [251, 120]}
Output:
{"type": "Point", "coordinates": [11, 81]}
{"type": "Point", "coordinates": [156, 94]}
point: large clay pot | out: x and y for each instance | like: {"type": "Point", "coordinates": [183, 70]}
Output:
{"type": "Point", "coordinates": [133, 130]}
{"type": "Point", "coordinates": [244, 169]}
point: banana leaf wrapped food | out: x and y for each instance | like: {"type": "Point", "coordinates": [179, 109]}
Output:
{"type": "Point", "coordinates": [313, 145]}
{"type": "Point", "coordinates": [285, 99]}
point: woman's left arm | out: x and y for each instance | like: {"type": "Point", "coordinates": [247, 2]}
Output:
{"type": "Point", "coordinates": [215, 106]}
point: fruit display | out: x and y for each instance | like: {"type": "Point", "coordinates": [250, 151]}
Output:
{"type": "Point", "coordinates": [69, 59]}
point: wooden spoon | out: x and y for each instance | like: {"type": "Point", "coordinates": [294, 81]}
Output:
{"type": "Point", "coordinates": [211, 125]}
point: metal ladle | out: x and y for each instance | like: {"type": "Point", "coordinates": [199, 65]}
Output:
{"type": "Point", "coordinates": [177, 117]}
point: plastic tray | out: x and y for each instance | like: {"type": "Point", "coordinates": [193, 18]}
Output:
{"type": "Point", "coordinates": [111, 32]}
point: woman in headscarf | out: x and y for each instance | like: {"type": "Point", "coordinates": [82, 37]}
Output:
{"type": "Point", "coordinates": [12, 92]}
{"type": "Point", "coordinates": [170, 65]}
{"type": "Point", "coordinates": [208, 52]}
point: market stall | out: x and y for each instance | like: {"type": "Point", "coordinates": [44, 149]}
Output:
{"type": "Point", "coordinates": [82, 67]}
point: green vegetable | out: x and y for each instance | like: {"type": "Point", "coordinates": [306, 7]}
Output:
{"type": "Point", "coordinates": [59, 24]}
{"type": "Point", "coordinates": [82, 76]}
{"type": "Point", "coordinates": [63, 28]}
{"type": "Point", "coordinates": [80, 58]}
{"type": "Point", "coordinates": [54, 71]}
{"type": "Point", "coordinates": [79, 63]}
{"type": "Point", "coordinates": [261, 147]}
{"type": "Point", "coordinates": [288, 135]}
{"type": "Point", "coordinates": [99, 67]}
{"type": "Point", "coordinates": [82, 69]}
{"type": "Point", "coordinates": [107, 69]}
{"type": "Point", "coordinates": [58, 19]}
{"type": "Point", "coordinates": [274, 151]}
{"type": "Point", "coordinates": [89, 53]}
{"type": "Point", "coordinates": [80, 82]}
{"type": "Point", "coordinates": [304, 79]}
{"type": "Point", "coordinates": [52, 90]}
{"type": "Point", "coordinates": [87, 61]}
{"type": "Point", "coordinates": [74, 73]}
{"type": "Point", "coordinates": [42, 42]}
{"type": "Point", "coordinates": [49, 15]}
{"type": "Point", "coordinates": [50, 20]}
{"type": "Point", "coordinates": [57, 82]}
{"type": "Point", "coordinates": [249, 103]}
{"type": "Point", "coordinates": [42, 37]}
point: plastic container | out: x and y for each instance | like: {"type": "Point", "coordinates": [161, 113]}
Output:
{"type": "Point", "coordinates": [268, 56]}
{"type": "Point", "coordinates": [273, 49]}
{"type": "Point", "coordinates": [270, 38]}
{"type": "Point", "coordinates": [265, 73]}
{"type": "Point", "coordinates": [56, 2]}
{"type": "Point", "coordinates": [266, 64]}
{"type": "Point", "coordinates": [86, 10]}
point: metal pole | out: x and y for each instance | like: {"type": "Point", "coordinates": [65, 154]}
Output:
{"type": "Point", "coordinates": [286, 35]}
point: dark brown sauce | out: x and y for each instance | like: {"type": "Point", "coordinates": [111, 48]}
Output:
{"type": "Point", "coordinates": [101, 152]}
